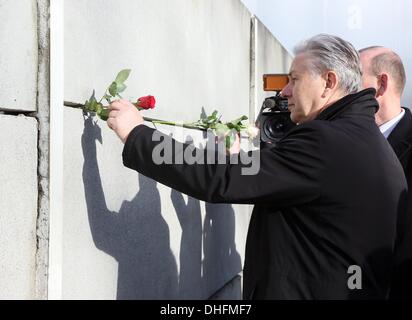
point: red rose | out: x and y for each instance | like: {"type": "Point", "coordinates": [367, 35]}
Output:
{"type": "Point", "coordinates": [147, 102]}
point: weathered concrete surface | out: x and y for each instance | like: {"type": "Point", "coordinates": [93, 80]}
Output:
{"type": "Point", "coordinates": [188, 54]}
{"type": "Point", "coordinates": [124, 235]}
{"type": "Point", "coordinates": [18, 206]}
{"type": "Point", "coordinates": [43, 117]}
{"type": "Point", "coordinates": [18, 55]}
{"type": "Point", "coordinates": [128, 237]}
{"type": "Point", "coordinates": [154, 243]}
{"type": "Point", "coordinates": [270, 57]}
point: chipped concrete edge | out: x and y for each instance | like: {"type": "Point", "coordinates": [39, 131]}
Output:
{"type": "Point", "coordinates": [43, 115]}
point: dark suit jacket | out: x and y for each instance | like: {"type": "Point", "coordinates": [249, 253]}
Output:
{"type": "Point", "coordinates": [401, 141]}
{"type": "Point", "coordinates": [326, 198]}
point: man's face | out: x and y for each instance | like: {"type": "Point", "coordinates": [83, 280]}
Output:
{"type": "Point", "coordinates": [304, 91]}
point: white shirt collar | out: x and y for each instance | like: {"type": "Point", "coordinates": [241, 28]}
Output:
{"type": "Point", "coordinates": [388, 127]}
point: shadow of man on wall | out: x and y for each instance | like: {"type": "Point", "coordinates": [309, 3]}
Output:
{"type": "Point", "coordinates": [137, 236]}
{"type": "Point", "coordinates": [190, 219]}
{"type": "Point", "coordinates": [205, 279]}
{"type": "Point", "coordinates": [221, 261]}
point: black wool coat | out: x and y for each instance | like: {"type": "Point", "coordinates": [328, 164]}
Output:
{"type": "Point", "coordinates": [326, 198]}
{"type": "Point", "coordinates": [401, 141]}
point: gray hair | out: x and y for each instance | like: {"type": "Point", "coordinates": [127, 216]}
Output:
{"type": "Point", "coordinates": [331, 53]}
{"type": "Point", "coordinates": [390, 62]}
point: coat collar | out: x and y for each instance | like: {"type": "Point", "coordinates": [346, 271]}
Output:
{"type": "Point", "coordinates": [401, 137]}
{"type": "Point", "coordinates": [362, 103]}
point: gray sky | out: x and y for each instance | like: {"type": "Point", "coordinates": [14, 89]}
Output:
{"type": "Point", "coordinates": [362, 22]}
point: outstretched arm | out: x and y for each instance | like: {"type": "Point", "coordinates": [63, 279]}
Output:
{"type": "Point", "coordinates": [288, 173]}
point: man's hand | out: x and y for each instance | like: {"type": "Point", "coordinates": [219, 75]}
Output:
{"type": "Point", "coordinates": [235, 148]}
{"type": "Point", "coordinates": [123, 118]}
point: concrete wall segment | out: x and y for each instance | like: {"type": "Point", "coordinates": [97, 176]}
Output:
{"type": "Point", "coordinates": [18, 55]}
{"type": "Point", "coordinates": [18, 206]}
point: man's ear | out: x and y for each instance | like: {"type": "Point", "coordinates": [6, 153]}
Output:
{"type": "Point", "coordinates": [382, 85]}
{"type": "Point", "coordinates": [331, 82]}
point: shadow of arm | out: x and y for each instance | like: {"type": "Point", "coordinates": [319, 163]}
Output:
{"type": "Point", "coordinates": [104, 224]}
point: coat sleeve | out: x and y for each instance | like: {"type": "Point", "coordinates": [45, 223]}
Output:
{"type": "Point", "coordinates": [288, 174]}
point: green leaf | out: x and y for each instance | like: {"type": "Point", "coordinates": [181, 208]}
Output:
{"type": "Point", "coordinates": [113, 89]}
{"type": "Point", "coordinates": [122, 76]}
{"type": "Point", "coordinates": [86, 106]}
{"type": "Point", "coordinates": [201, 125]}
{"type": "Point", "coordinates": [91, 104]}
{"type": "Point", "coordinates": [230, 139]}
{"type": "Point", "coordinates": [239, 120]}
{"type": "Point", "coordinates": [104, 114]}
{"type": "Point", "coordinates": [99, 108]}
{"type": "Point", "coordinates": [107, 98]}
{"type": "Point", "coordinates": [120, 87]}
{"type": "Point", "coordinates": [211, 120]}
{"type": "Point", "coordinates": [237, 127]}
{"type": "Point", "coordinates": [221, 129]}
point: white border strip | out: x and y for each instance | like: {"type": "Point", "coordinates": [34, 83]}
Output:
{"type": "Point", "coordinates": [56, 150]}
{"type": "Point", "coordinates": [254, 107]}
{"type": "Point", "coordinates": [256, 79]}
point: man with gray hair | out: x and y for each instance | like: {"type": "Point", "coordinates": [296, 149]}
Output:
{"type": "Point", "coordinates": [326, 195]}
{"type": "Point", "coordinates": [383, 70]}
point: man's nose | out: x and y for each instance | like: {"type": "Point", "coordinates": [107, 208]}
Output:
{"type": "Point", "coordinates": [285, 93]}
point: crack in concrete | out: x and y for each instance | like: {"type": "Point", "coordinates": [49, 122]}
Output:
{"type": "Point", "coordinates": [42, 116]}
